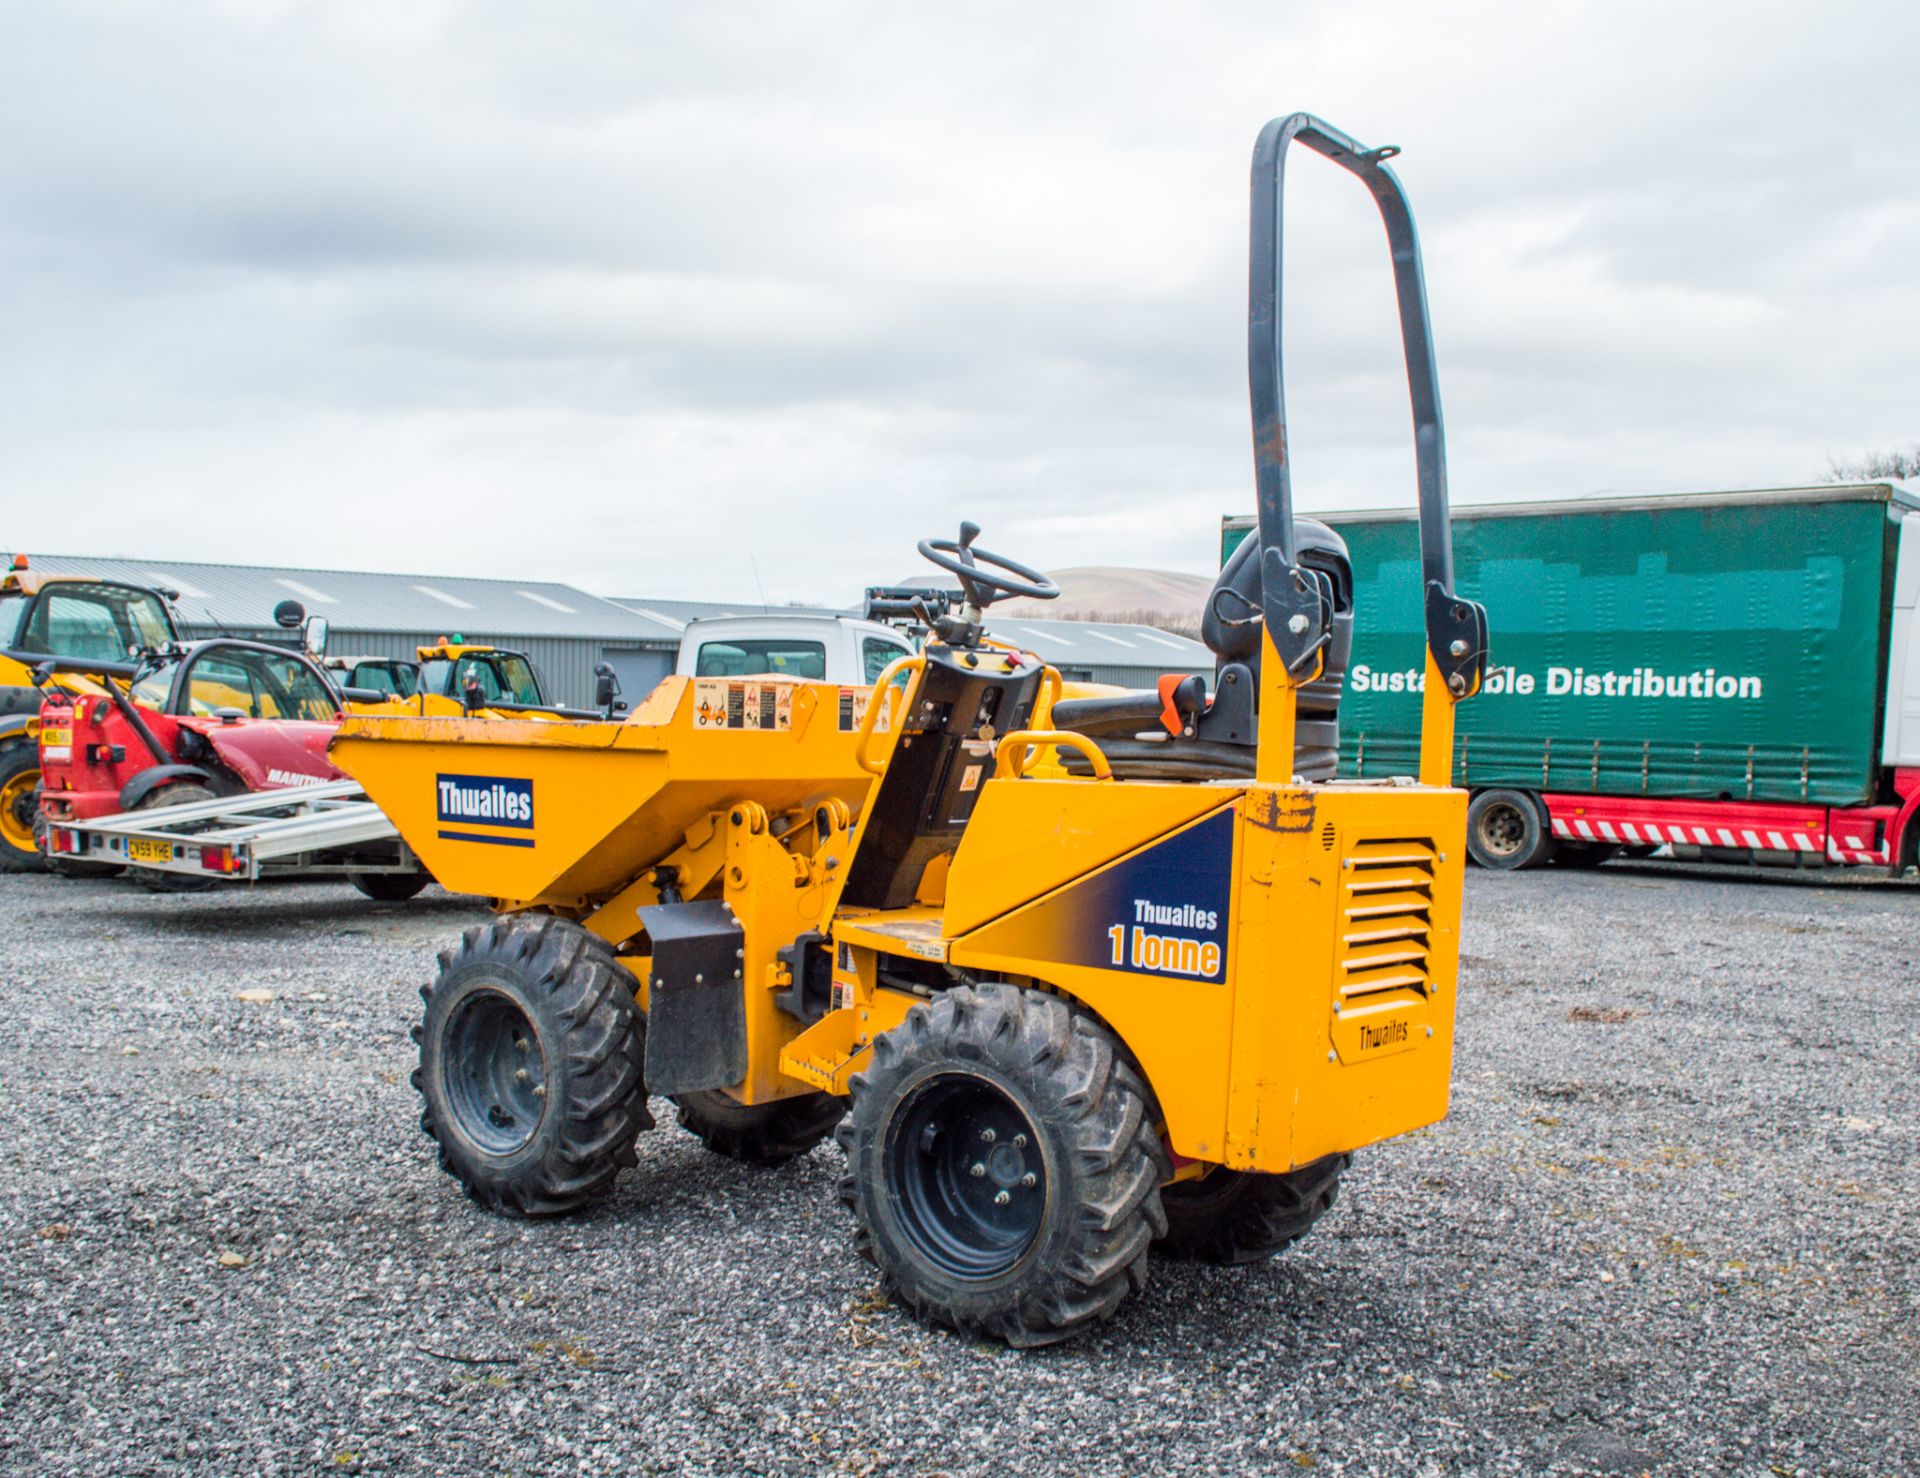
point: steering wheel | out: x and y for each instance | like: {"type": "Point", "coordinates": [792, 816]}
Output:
{"type": "Point", "coordinates": [986, 577]}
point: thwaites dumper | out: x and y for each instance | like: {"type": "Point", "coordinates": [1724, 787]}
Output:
{"type": "Point", "coordinates": [1158, 998]}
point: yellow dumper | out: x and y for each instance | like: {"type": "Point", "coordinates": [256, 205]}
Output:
{"type": "Point", "coordinates": [1150, 1000]}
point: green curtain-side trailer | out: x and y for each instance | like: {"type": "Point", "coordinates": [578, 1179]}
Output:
{"type": "Point", "coordinates": [1733, 675]}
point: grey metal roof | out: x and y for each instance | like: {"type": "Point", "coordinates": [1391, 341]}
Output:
{"type": "Point", "coordinates": [677, 613]}
{"type": "Point", "coordinates": [243, 596]}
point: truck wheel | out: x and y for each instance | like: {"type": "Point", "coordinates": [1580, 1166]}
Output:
{"type": "Point", "coordinates": [761, 1133]}
{"type": "Point", "coordinates": [1242, 1216]}
{"type": "Point", "coordinates": [19, 807]}
{"type": "Point", "coordinates": [532, 1049]}
{"type": "Point", "coordinates": [62, 866]}
{"type": "Point", "coordinates": [1002, 1168]}
{"type": "Point", "coordinates": [389, 887]}
{"type": "Point", "coordinates": [1506, 830]}
{"type": "Point", "coordinates": [1584, 854]}
{"type": "Point", "coordinates": [154, 879]}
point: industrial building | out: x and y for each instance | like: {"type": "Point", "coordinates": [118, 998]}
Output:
{"type": "Point", "coordinates": [566, 631]}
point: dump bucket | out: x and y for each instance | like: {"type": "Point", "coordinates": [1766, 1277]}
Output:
{"type": "Point", "coordinates": [573, 811]}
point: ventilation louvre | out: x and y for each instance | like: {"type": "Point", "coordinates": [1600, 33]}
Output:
{"type": "Point", "coordinates": [1386, 920]}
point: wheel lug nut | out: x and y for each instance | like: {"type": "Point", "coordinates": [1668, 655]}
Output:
{"type": "Point", "coordinates": [1019, 1141]}
{"type": "Point", "coordinates": [1029, 1179]}
{"type": "Point", "coordinates": [978, 1170]}
{"type": "Point", "coordinates": [520, 1075]}
{"type": "Point", "coordinates": [539, 1090]}
{"type": "Point", "coordinates": [987, 1135]}
{"type": "Point", "coordinates": [1001, 1198]}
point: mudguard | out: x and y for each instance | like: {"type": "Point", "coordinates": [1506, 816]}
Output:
{"type": "Point", "coordinates": [146, 782]}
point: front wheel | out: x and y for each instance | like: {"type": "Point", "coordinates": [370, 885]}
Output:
{"type": "Point", "coordinates": [1241, 1216]}
{"type": "Point", "coordinates": [1002, 1166]}
{"type": "Point", "coordinates": [532, 1050]}
{"type": "Point", "coordinates": [19, 808]}
{"type": "Point", "coordinates": [1507, 830]}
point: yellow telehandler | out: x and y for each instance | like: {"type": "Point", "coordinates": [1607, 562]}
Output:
{"type": "Point", "coordinates": [1153, 1000]}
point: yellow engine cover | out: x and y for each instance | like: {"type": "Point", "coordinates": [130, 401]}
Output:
{"type": "Point", "coordinates": [1281, 961]}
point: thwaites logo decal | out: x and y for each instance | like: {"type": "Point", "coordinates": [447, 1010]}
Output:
{"type": "Point", "coordinates": [492, 801]}
{"type": "Point", "coordinates": [1162, 911]}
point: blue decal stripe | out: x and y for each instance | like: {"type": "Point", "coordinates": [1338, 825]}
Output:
{"type": "Point", "coordinates": [471, 836]}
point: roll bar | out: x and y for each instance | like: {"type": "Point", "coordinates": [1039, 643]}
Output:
{"type": "Point", "coordinates": [1297, 611]}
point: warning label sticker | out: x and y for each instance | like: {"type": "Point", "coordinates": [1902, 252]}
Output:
{"type": "Point", "coordinates": [853, 708]}
{"type": "Point", "coordinates": [742, 703]}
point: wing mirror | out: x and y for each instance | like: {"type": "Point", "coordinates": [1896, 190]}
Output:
{"type": "Point", "coordinates": [606, 689]}
{"type": "Point", "coordinates": [313, 635]}
{"type": "Point", "coordinates": [364, 695]}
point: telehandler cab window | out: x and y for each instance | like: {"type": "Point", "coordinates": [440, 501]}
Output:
{"type": "Point", "coordinates": [103, 622]}
{"type": "Point", "coordinates": [384, 677]}
{"type": "Point", "coordinates": [499, 676]}
{"type": "Point", "coordinates": [774, 657]}
{"type": "Point", "coordinates": [258, 684]}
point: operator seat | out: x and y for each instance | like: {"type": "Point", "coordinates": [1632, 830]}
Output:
{"type": "Point", "coordinates": [1216, 738]}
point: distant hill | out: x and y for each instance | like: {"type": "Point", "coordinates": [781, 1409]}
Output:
{"type": "Point", "coordinates": [1169, 599]}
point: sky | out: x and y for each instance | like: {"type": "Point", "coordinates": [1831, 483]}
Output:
{"type": "Point", "coordinates": [734, 300]}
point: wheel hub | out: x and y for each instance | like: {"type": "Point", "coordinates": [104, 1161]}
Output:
{"type": "Point", "coordinates": [495, 1071]}
{"type": "Point", "coordinates": [968, 1180]}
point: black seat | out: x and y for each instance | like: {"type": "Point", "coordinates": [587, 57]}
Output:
{"type": "Point", "coordinates": [1177, 733]}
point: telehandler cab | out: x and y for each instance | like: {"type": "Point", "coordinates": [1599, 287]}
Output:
{"type": "Point", "coordinates": [1056, 1020]}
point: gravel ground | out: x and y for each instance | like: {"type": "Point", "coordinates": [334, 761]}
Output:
{"type": "Point", "coordinates": [1668, 1228]}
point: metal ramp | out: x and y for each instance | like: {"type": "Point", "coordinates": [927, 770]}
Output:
{"type": "Point", "coordinates": [305, 830]}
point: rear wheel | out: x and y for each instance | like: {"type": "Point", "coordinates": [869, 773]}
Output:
{"type": "Point", "coordinates": [1002, 1168]}
{"type": "Point", "coordinates": [761, 1133]}
{"type": "Point", "coordinates": [1242, 1216]}
{"type": "Point", "coordinates": [19, 808]}
{"type": "Point", "coordinates": [389, 887]}
{"type": "Point", "coordinates": [532, 1050]}
{"type": "Point", "coordinates": [1507, 830]}
{"type": "Point", "coordinates": [155, 879]}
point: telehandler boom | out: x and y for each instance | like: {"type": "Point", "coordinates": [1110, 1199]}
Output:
{"type": "Point", "coordinates": [1155, 997]}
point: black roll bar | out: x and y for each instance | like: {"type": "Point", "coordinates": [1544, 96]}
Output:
{"type": "Point", "coordinates": [1297, 618]}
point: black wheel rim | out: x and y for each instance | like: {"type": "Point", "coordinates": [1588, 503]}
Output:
{"type": "Point", "coordinates": [966, 1177]}
{"type": "Point", "coordinates": [495, 1072]}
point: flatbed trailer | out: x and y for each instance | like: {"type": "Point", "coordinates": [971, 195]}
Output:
{"type": "Point", "coordinates": [307, 830]}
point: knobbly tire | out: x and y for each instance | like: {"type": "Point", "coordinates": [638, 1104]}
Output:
{"type": "Point", "coordinates": [154, 879]}
{"type": "Point", "coordinates": [532, 1050]}
{"type": "Point", "coordinates": [1243, 1216]}
{"type": "Point", "coordinates": [20, 808]}
{"type": "Point", "coordinates": [389, 887]}
{"type": "Point", "coordinates": [762, 1133]}
{"type": "Point", "coordinates": [1002, 1166]}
